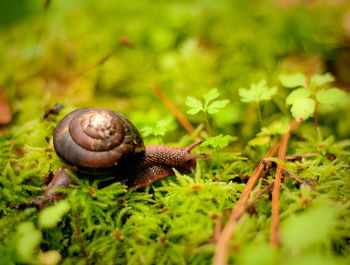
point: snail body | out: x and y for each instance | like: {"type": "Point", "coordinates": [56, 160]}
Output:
{"type": "Point", "coordinates": [99, 142]}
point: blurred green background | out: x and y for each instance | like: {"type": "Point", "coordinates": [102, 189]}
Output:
{"type": "Point", "coordinates": [108, 54]}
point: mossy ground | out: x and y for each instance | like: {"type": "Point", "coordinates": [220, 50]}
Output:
{"type": "Point", "coordinates": [108, 54]}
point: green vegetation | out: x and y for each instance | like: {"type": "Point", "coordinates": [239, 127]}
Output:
{"type": "Point", "coordinates": [203, 55]}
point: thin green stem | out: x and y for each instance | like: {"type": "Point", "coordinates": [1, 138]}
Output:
{"type": "Point", "coordinates": [259, 113]}
{"type": "Point", "coordinates": [159, 139]}
{"type": "Point", "coordinates": [317, 125]}
{"type": "Point", "coordinates": [207, 123]}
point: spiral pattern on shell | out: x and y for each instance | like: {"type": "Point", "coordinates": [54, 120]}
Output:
{"type": "Point", "coordinates": [95, 140]}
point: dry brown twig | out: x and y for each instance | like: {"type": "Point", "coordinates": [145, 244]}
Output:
{"type": "Point", "coordinates": [218, 223]}
{"type": "Point", "coordinates": [220, 256]}
{"type": "Point", "coordinates": [221, 253]}
{"type": "Point", "coordinates": [274, 235]}
{"type": "Point", "coordinates": [274, 232]}
{"type": "Point", "coordinates": [5, 112]}
{"type": "Point", "coordinates": [217, 229]}
{"type": "Point", "coordinates": [300, 156]}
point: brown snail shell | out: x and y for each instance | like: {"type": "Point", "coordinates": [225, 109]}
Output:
{"type": "Point", "coordinates": [94, 140]}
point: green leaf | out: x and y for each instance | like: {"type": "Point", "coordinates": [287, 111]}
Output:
{"type": "Point", "coordinates": [258, 92]}
{"type": "Point", "coordinates": [220, 141]}
{"type": "Point", "coordinates": [297, 94]}
{"type": "Point", "coordinates": [330, 96]}
{"type": "Point", "coordinates": [195, 104]}
{"type": "Point", "coordinates": [246, 95]}
{"type": "Point", "coordinates": [294, 80]}
{"type": "Point", "coordinates": [259, 87]}
{"type": "Point", "coordinates": [277, 127]}
{"type": "Point", "coordinates": [50, 216]}
{"type": "Point", "coordinates": [147, 131]}
{"type": "Point", "coordinates": [211, 95]}
{"type": "Point", "coordinates": [303, 108]}
{"type": "Point", "coordinates": [260, 140]}
{"type": "Point", "coordinates": [161, 127]}
{"type": "Point", "coordinates": [268, 93]}
{"type": "Point", "coordinates": [193, 111]}
{"type": "Point", "coordinates": [28, 239]}
{"type": "Point", "coordinates": [322, 79]}
{"type": "Point", "coordinates": [216, 105]}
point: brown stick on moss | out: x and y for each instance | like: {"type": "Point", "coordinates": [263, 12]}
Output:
{"type": "Point", "coordinates": [179, 116]}
{"type": "Point", "coordinates": [5, 112]}
{"type": "Point", "coordinates": [220, 256]}
{"type": "Point", "coordinates": [274, 233]}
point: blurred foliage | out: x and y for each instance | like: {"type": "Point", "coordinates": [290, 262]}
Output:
{"type": "Point", "coordinates": [89, 53]}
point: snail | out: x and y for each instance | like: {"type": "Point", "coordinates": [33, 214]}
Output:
{"type": "Point", "coordinates": [97, 142]}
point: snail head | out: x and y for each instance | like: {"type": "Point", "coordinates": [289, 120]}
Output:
{"type": "Point", "coordinates": [190, 160]}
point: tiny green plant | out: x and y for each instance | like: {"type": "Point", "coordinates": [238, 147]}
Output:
{"type": "Point", "coordinates": [277, 127]}
{"type": "Point", "coordinates": [219, 141]}
{"type": "Point", "coordinates": [159, 129]}
{"type": "Point", "coordinates": [307, 94]}
{"type": "Point", "coordinates": [210, 105]}
{"type": "Point", "coordinates": [258, 92]}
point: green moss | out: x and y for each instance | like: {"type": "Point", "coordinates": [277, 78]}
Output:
{"type": "Point", "coordinates": [71, 53]}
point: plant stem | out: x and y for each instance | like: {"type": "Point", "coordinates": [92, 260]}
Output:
{"type": "Point", "coordinates": [207, 123]}
{"type": "Point", "coordinates": [292, 175]}
{"type": "Point", "coordinates": [317, 125]}
{"type": "Point", "coordinates": [259, 113]}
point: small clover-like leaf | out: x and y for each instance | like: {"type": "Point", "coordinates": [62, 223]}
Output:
{"type": "Point", "coordinates": [220, 141]}
{"type": "Point", "coordinates": [246, 95]}
{"type": "Point", "coordinates": [50, 216]}
{"type": "Point", "coordinates": [297, 94]}
{"type": "Point", "coordinates": [303, 108]}
{"type": "Point", "coordinates": [211, 95]}
{"type": "Point", "coordinates": [195, 104]}
{"type": "Point", "coordinates": [259, 86]}
{"type": "Point", "coordinates": [161, 127]}
{"type": "Point", "coordinates": [330, 96]}
{"type": "Point", "coordinates": [322, 79]}
{"type": "Point", "coordinates": [257, 92]}
{"type": "Point", "coordinates": [268, 93]}
{"type": "Point", "coordinates": [147, 131]}
{"type": "Point", "coordinates": [295, 80]}
{"type": "Point", "coordinates": [216, 105]}
{"type": "Point", "coordinates": [159, 130]}
{"type": "Point", "coordinates": [210, 106]}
